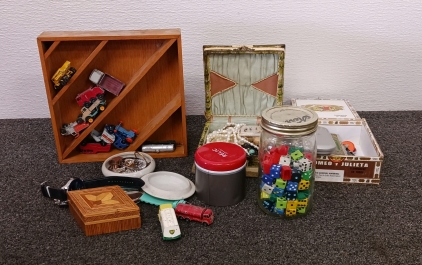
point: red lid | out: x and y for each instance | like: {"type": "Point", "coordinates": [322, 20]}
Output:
{"type": "Point", "coordinates": [220, 156]}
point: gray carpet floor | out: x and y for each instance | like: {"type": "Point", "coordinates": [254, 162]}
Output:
{"type": "Point", "coordinates": [350, 223]}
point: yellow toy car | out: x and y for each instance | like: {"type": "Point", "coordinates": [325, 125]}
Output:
{"type": "Point", "coordinates": [63, 75]}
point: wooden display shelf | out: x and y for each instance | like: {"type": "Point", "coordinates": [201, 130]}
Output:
{"type": "Point", "coordinates": [149, 62]}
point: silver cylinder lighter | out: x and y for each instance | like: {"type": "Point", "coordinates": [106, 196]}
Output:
{"type": "Point", "coordinates": [157, 148]}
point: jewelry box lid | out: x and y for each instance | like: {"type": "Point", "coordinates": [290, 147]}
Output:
{"type": "Point", "coordinates": [329, 109]}
{"type": "Point", "coordinates": [242, 80]}
{"type": "Point", "coordinates": [104, 202]}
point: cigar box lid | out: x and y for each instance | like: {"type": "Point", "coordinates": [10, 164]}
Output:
{"type": "Point", "coordinates": [329, 109]}
{"type": "Point", "coordinates": [102, 203]}
{"type": "Point", "coordinates": [242, 80]}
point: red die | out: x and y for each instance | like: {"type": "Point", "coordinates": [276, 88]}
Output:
{"type": "Point", "coordinates": [286, 173]}
{"type": "Point", "coordinates": [273, 150]}
{"type": "Point", "coordinates": [266, 165]}
{"type": "Point", "coordinates": [308, 155]}
{"type": "Point", "coordinates": [283, 150]}
{"type": "Point", "coordinates": [275, 158]}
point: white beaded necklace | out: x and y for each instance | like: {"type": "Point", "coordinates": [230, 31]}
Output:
{"type": "Point", "coordinates": [231, 134]}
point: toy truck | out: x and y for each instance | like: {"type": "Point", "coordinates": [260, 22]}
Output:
{"type": "Point", "coordinates": [169, 226]}
{"type": "Point", "coordinates": [89, 114]}
{"type": "Point", "coordinates": [194, 213]}
{"type": "Point", "coordinates": [123, 136]}
{"type": "Point", "coordinates": [63, 75]}
{"type": "Point", "coordinates": [73, 128]}
{"type": "Point", "coordinates": [94, 144]}
{"type": "Point", "coordinates": [108, 134]}
{"type": "Point", "coordinates": [106, 82]}
{"type": "Point", "coordinates": [86, 98]}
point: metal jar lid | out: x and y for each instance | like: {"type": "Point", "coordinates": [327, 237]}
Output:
{"type": "Point", "coordinates": [289, 120]}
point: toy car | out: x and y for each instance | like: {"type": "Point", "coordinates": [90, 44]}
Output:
{"type": "Point", "coordinates": [123, 136]}
{"type": "Point", "coordinates": [93, 148]}
{"type": "Point", "coordinates": [73, 128]}
{"type": "Point", "coordinates": [89, 114]}
{"type": "Point", "coordinates": [62, 76]}
{"type": "Point", "coordinates": [194, 213]}
{"type": "Point", "coordinates": [108, 134]}
{"type": "Point", "coordinates": [89, 96]}
{"type": "Point", "coordinates": [106, 82]}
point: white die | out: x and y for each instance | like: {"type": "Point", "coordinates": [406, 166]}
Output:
{"type": "Point", "coordinates": [284, 161]}
{"type": "Point", "coordinates": [267, 188]}
{"type": "Point", "coordinates": [305, 164]}
{"type": "Point", "coordinates": [296, 164]}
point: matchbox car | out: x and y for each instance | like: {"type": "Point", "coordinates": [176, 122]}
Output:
{"type": "Point", "coordinates": [62, 76]}
{"type": "Point", "coordinates": [89, 114]}
{"type": "Point", "coordinates": [106, 82]}
{"type": "Point", "coordinates": [73, 128]}
{"type": "Point", "coordinates": [123, 137]}
{"type": "Point", "coordinates": [89, 96]}
{"type": "Point", "coordinates": [93, 148]}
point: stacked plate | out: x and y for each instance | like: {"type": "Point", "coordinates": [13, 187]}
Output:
{"type": "Point", "coordinates": [168, 185]}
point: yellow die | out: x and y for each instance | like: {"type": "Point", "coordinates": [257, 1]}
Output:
{"type": "Point", "coordinates": [304, 184]}
{"type": "Point", "coordinates": [264, 195]}
{"type": "Point", "coordinates": [302, 203]}
{"type": "Point", "coordinates": [291, 212]}
{"type": "Point", "coordinates": [291, 205]}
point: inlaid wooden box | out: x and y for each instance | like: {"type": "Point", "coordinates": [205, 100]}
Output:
{"type": "Point", "coordinates": [240, 82]}
{"type": "Point", "coordinates": [104, 210]}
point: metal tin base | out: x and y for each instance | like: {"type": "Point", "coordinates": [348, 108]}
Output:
{"type": "Point", "coordinates": [220, 188]}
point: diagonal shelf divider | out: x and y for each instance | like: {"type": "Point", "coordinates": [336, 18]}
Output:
{"type": "Point", "coordinates": [156, 122]}
{"type": "Point", "coordinates": [81, 69]}
{"type": "Point", "coordinates": [51, 49]}
{"type": "Point", "coordinates": [152, 60]}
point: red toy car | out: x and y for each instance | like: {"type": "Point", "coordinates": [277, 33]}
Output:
{"type": "Point", "coordinates": [86, 98]}
{"type": "Point", "coordinates": [93, 148]}
{"type": "Point", "coordinates": [194, 213]}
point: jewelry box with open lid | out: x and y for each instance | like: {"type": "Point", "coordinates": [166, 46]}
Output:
{"type": "Point", "coordinates": [240, 82]}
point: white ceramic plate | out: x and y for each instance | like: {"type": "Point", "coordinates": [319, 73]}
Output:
{"type": "Point", "coordinates": [168, 185]}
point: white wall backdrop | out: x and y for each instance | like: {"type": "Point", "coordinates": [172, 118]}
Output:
{"type": "Point", "coordinates": [369, 52]}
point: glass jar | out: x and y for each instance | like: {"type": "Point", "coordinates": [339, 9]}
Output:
{"type": "Point", "coordinates": [287, 155]}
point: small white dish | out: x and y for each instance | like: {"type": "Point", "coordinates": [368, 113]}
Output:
{"type": "Point", "coordinates": [168, 185]}
{"type": "Point", "coordinates": [137, 174]}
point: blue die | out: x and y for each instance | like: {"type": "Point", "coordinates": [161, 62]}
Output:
{"type": "Point", "coordinates": [269, 205]}
{"type": "Point", "coordinates": [278, 192]}
{"type": "Point", "coordinates": [291, 195]}
{"type": "Point", "coordinates": [292, 186]}
{"type": "Point", "coordinates": [278, 211]}
{"type": "Point", "coordinates": [275, 169]}
{"type": "Point", "coordinates": [296, 175]}
{"type": "Point", "coordinates": [267, 179]}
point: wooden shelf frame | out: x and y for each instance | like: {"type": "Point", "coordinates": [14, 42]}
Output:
{"type": "Point", "coordinates": [150, 64]}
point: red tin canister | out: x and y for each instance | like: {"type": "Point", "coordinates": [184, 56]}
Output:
{"type": "Point", "coordinates": [220, 173]}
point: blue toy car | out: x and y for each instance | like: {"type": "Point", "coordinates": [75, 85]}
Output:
{"type": "Point", "coordinates": [123, 137]}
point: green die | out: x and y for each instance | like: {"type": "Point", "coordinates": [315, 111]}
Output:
{"type": "Point", "coordinates": [280, 183]}
{"type": "Point", "coordinates": [293, 149]}
{"type": "Point", "coordinates": [301, 209]}
{"type": "Point", "coordinates": [301, 195]}
{"type": "Point", "coordinates": [307, 174]}
{"type": "Point", "coordinates": [296, 155]}
{"type": "Point", "coordinates": [273, 197]}
{"type": "Point", "coordinates": [281, 203]}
